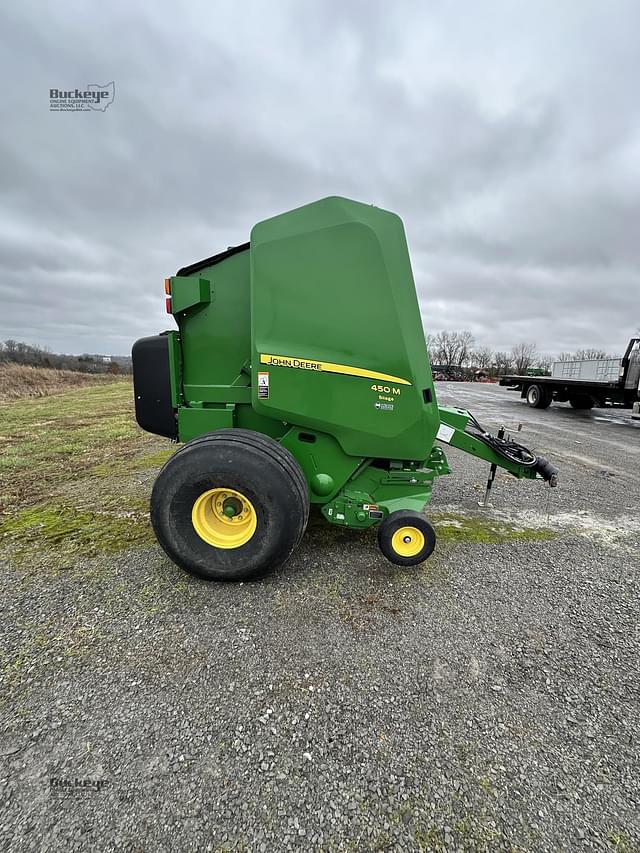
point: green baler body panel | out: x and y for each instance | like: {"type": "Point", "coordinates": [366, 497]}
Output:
{"type": "Point", "coordinates": [328, 290]}
{"type": "Point", "coordinates": [332, 298]}
{"type": "Point", "coordinates": [215, 330]}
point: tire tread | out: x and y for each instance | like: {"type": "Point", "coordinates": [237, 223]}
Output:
{"type": "Point", "coordinates": [265, 444]}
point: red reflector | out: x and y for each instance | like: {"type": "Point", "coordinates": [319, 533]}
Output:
{"type": "Point", "coordinates": [167, 286]}
{"type": "Point", "coordinates": [167, 303]}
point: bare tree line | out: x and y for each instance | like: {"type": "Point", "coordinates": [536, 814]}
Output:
{"type": "Point", "coordinates": [582, 354]}
{"type": "Point", "coordinates": [17, 352]}
{"type": "Point", "coordinates": [451, 349]}
{"type": "Point", "coordinates": [457, 349]}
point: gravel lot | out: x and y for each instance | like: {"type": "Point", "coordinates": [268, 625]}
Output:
{"type": "Point", "coordinates": [489, 700]}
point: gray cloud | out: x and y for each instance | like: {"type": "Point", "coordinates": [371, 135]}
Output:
{"type": "Point", "coordinates": [506, 135]}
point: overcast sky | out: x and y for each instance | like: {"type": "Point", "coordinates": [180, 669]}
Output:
{"type": "Point", "coordinates": [505, 134]}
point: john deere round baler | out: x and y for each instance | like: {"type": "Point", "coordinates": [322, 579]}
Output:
{"type": "Point", "coordinates": [299, 375]}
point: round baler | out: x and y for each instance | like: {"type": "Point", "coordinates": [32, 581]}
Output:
{"type": "Point", "coordinates": [299, 375]}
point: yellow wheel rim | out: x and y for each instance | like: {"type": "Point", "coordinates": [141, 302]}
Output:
{"type": "Point", "coordinates": [224, 518]}
{"type": "Point", "coordinates": [407, 541]}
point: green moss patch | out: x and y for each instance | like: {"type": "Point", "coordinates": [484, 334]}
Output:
{"type": "Point", "coordinates": [64, 532]}
{"type": "Point", "coordinates": [457, 528]}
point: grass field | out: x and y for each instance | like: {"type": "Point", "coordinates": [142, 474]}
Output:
{"type": "Point", "coordinates": [18, 381]}
{"type": "Point", "coordinates": [72, 478]}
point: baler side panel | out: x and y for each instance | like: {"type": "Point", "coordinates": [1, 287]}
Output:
{"type": "Point", "coordinates": [336, 329]}
{"type": "Point", "coordinates": [215, 330]}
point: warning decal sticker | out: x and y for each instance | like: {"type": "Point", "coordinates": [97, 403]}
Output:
{"type": "Point", "coordinates": [445, 433]}
{"type": "Point", "coordinates": [263, 385]}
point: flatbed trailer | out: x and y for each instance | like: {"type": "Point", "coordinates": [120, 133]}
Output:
{"type": "Point", "coordinates": [584, 393]}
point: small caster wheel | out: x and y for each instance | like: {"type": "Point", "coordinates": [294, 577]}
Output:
{"type": "Point", "coordinates": [406, 538]}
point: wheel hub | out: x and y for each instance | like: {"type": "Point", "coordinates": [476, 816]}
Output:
{"type": "Point", "coordinates": [232, 507]}
{"type": "Point", "coordinates": [224, 518]}
{"type": "Point", "coordinates": [407, 541]}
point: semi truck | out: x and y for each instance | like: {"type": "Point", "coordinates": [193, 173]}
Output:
{"type": "Point", "coordinates": [586, 383]}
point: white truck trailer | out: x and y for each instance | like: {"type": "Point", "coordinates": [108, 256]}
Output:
{"type": "Point", "coordinates": [584, 384]}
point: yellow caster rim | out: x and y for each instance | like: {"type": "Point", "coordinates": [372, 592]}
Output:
{"type": "Point", "coordinates": [224, 518]}
{"type": "Point", "coordinates": [407, 541]}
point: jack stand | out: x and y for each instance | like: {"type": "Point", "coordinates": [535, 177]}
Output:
{"type": "Point", "coordinates": [484, 503]}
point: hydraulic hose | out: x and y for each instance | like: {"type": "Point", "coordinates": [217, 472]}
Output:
{"type": "Point", "coordinates": [514, 452]}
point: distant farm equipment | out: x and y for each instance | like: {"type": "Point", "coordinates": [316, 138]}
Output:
{"type": "Point", "coordinates": [448, 373]}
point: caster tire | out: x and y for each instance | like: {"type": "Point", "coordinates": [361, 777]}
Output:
{"type": "Point", "coordinates": [406, 538]}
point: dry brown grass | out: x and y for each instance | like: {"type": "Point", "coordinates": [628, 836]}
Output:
{"type": "Point", "coordinates": [18, 381]}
